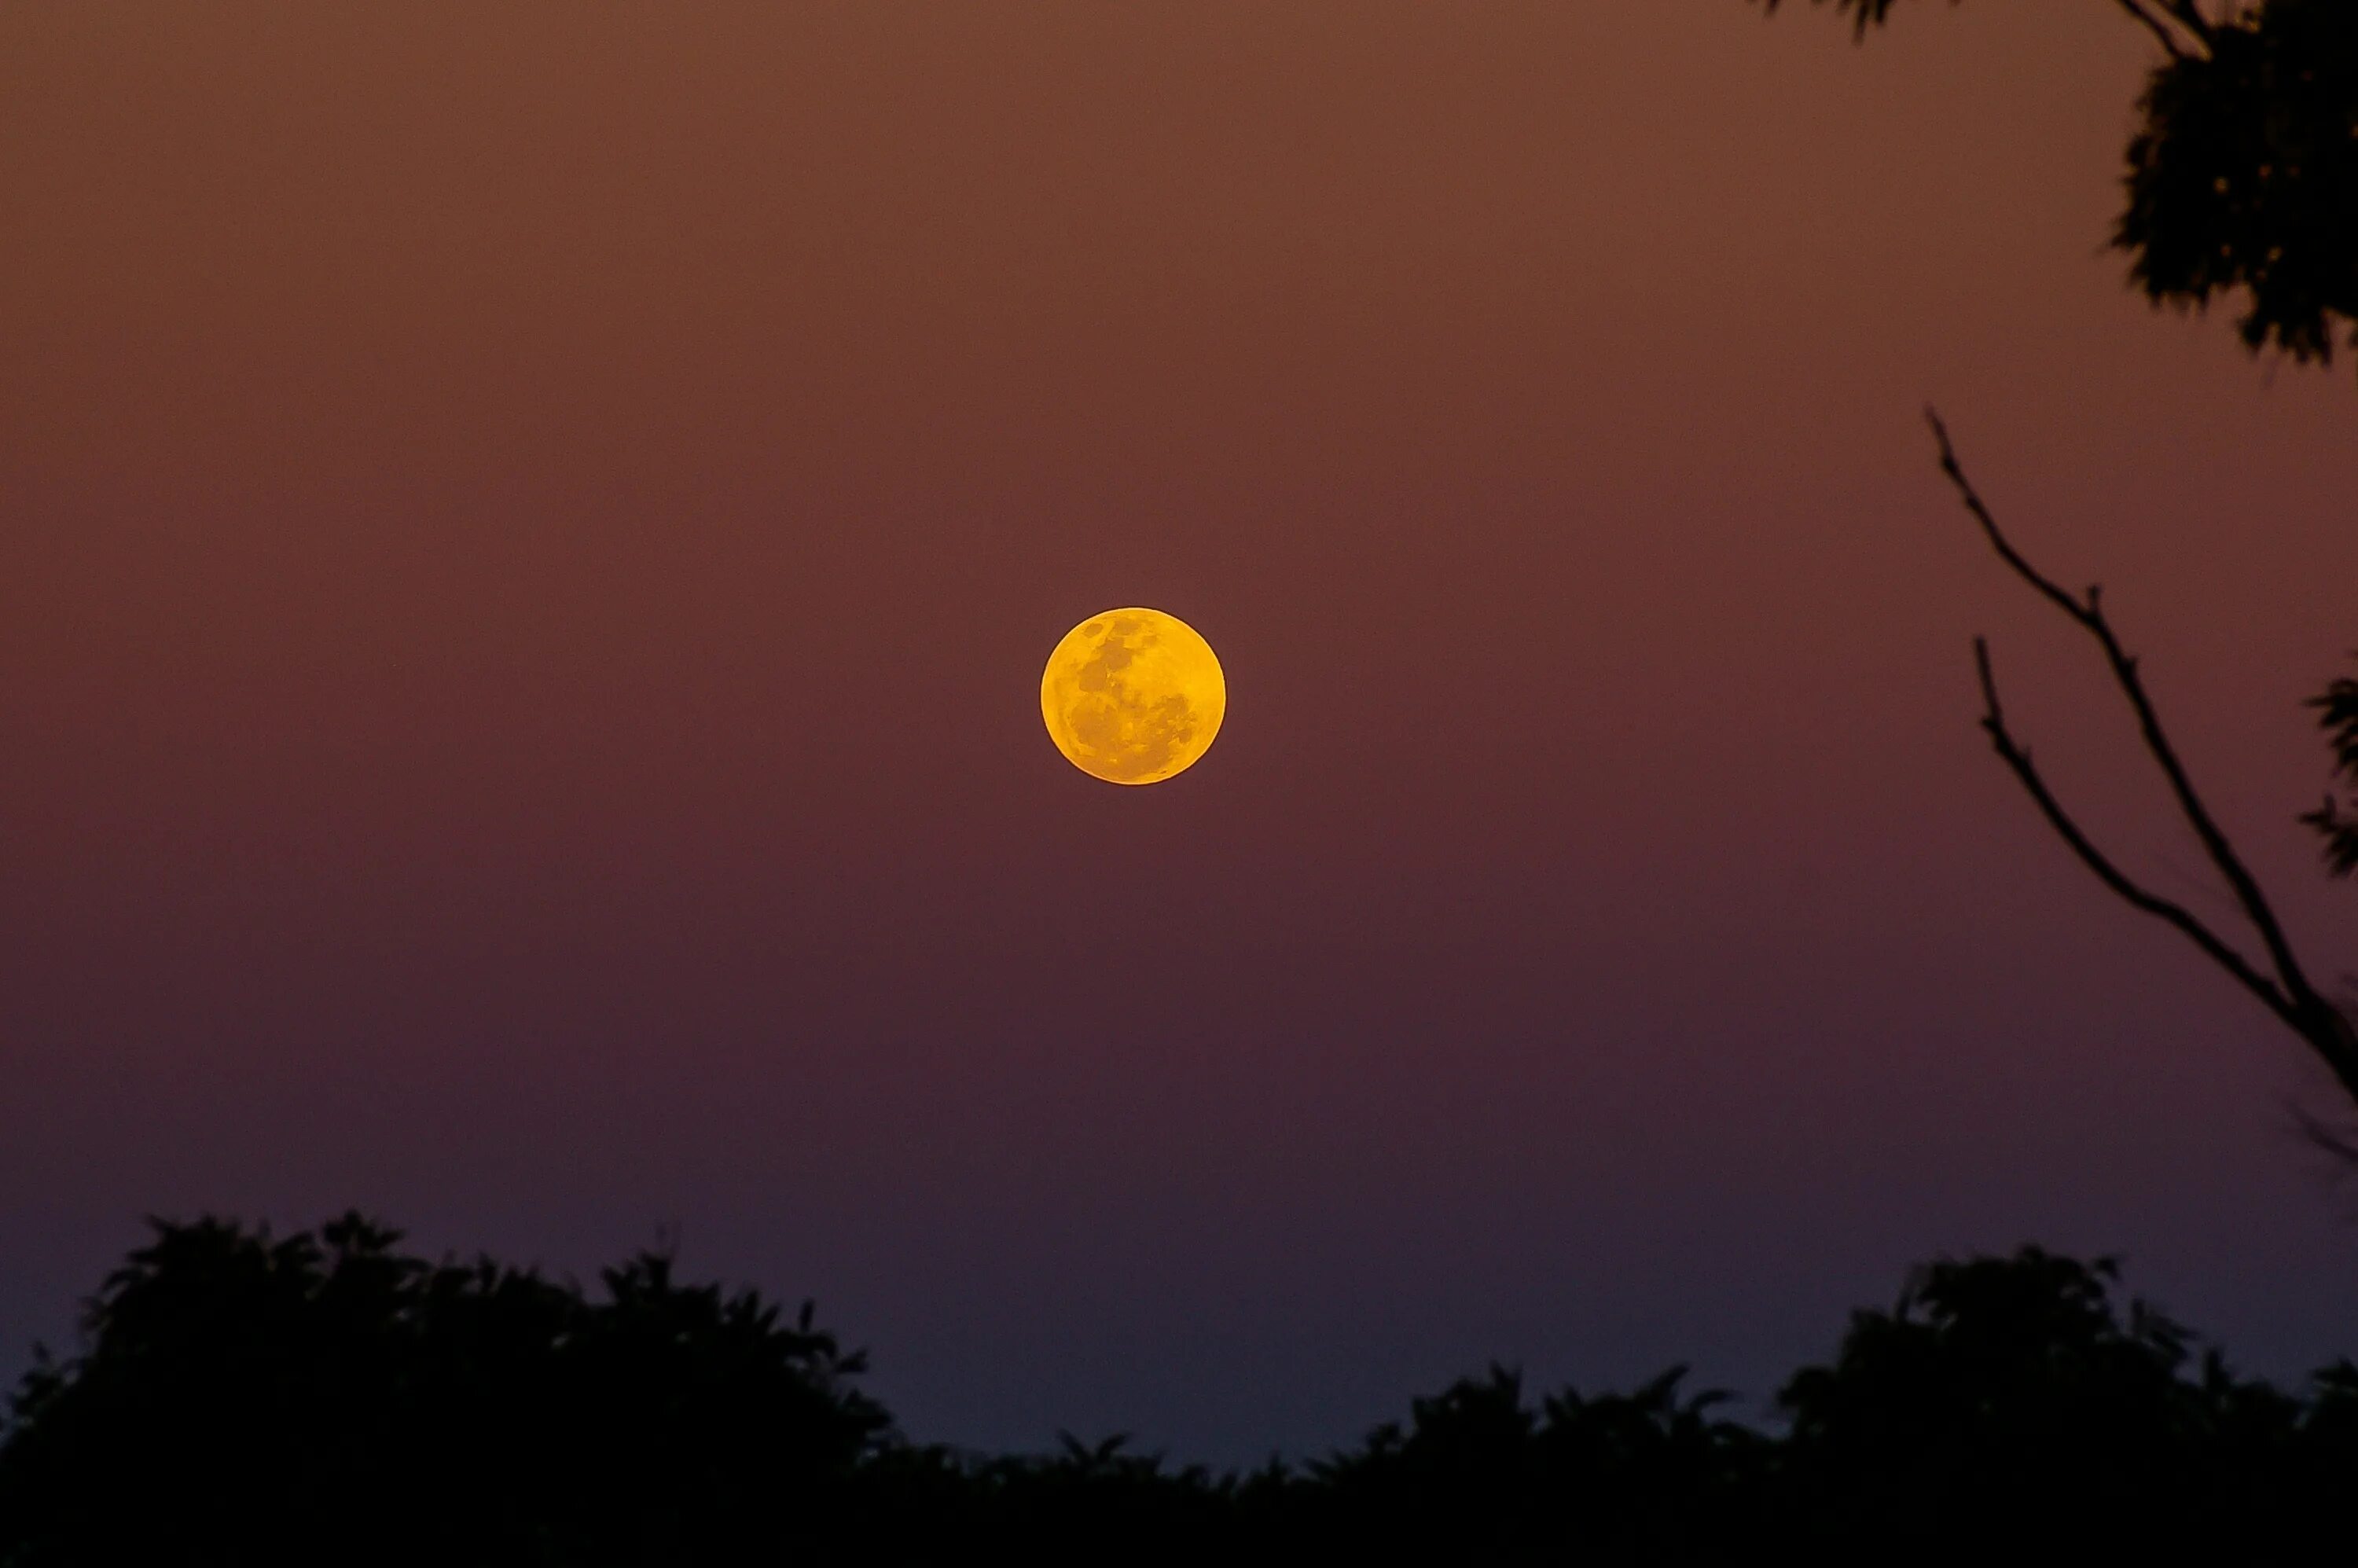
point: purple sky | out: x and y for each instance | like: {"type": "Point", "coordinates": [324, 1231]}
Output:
{"type": "Point", "coordinates": [527, 540]}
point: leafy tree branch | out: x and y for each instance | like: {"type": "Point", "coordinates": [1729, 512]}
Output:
{"type": "Point", "coordinates": [2243, 172]}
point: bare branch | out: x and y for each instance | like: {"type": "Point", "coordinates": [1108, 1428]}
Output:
{"type": "Point", "coordinates": [2088, 614]}
{"type": "Point", "coordinates": [2329, 1030]}
{"type": "Point", "coordinates": [2337, 1142]}
{"type": "Point", "coordinates": [2188, 14]}
{"type": "Point", "coordinates": [2071, 606]}
{"type": "Point", "coordinates": [2017, 759]}
{"type": "Point", "coordinates": [2341, 1143]}
{"type": "Point", "coordinates": [2156, 26]}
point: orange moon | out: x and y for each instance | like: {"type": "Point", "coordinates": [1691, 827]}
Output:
{"type": "Point", "coordinates": [1133, 697]}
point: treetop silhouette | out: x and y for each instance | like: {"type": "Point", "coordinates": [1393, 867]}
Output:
{"type": "Point", "coordinates": [2243, 172]}
{"type": "Point", "coordinates": [326, 1397]}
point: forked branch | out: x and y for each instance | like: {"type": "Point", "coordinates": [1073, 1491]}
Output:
{"type": "Point", "coordinates": [2016, 758]}
{"type": "Point", "coordinates": [2280, 986]}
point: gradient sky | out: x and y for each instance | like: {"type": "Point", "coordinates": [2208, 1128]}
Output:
{"type": "Point", "coordinates": [528, 536]}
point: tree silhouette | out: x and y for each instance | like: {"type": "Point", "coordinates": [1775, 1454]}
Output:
{"type": "Point", "coordinates": [328, 1399]}
{"type": "Point", "coordinates": [2277, 980]}
{"type": "Point", "coordinates": [324, 1398]}
{"type": "Point", "coordinates": [1481, 1473]}
{"type": "Point", "coordinates": [2243, 172]}
{"type": "Point", "coordinates": [2012, 1404]}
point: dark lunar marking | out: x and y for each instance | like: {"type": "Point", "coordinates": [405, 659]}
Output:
{"type": "Point", "coordinates": [1096, 727]}
{"type": "Point", "coordinates": [1093, 628]}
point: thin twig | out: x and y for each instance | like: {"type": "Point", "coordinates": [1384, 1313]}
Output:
{"type": "Point", "coordinates": [2156, 26]}
{"type": "Point", "coordinates": [2341, 1143]}
{"type": "Point", "coordinates": [2188, 14]}
{"type": "Point", "coordinates": [2017, 759]}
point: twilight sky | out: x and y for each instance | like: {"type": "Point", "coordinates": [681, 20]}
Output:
{"type": "Point", "coordinates": [528, 535]}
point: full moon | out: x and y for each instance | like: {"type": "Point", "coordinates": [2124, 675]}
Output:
{"type": "Point", "coordinates": [1132, 695]}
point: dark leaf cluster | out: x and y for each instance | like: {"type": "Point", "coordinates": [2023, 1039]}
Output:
{"type": "Point", "coordinates": [2243, 171]}
{"type": "Point", "coordinates": [2337, 821]}
{"type": "Point", "coordinates": [2245, 175]}
{"type": "Point", "coordinates": [327, 1397]}
{"type": "Point", "coordinates": [240, 1400]}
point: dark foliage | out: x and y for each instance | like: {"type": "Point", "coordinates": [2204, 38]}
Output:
{"type": "Point", "coordinates": [2007, 1401]}
{"type": "Point", "coordinates": [2337, 708]}
{"type": "Point", "coordinates": [2245, 175]}
{"type": "Point", "coordinates": [1481, 1474]}
{"type": "Point", "coordinates": [325, 1398]}
{"type": "Point", "coordinates": [2243, 172]}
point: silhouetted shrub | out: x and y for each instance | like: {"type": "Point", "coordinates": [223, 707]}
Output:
{"type": "Point", "coordinates": [317, 1399]}
{"type": "Point", "coordinates": [328, 1399]}
{"type": "Point", "coordinates": [2007, 1404]}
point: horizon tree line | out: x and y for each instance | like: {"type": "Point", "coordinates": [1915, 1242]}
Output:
{"type": "Point", "coordinates": [241, 1398]}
